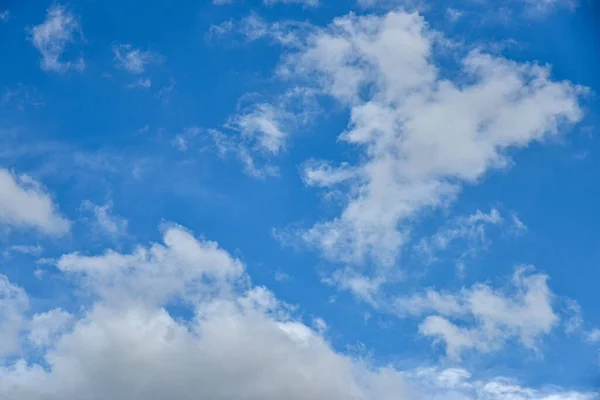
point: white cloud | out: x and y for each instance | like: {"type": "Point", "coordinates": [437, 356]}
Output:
{"type": "Point", "coordinates": [103, 219]}
{"type": "Point", "coordinates": [419, 135]}
{"type": "Point", "coordinates": [4, 15]}
{"type": "Point", "coordinates": [53, 36]}
{"type": "Point", "coordinates": [129, 345]}
{"type": "Point", "coordinates": [486, 317]}
{"type": "Point", "coordinates": [133, 60]}
{"type": "Point", "coordinates": [155, 273]}
{"type": "Point", "coordinates": [25, 204]}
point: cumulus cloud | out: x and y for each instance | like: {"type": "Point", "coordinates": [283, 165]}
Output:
{"type": "Point", "coordinates": [25, 204]}
{"type": "Point", "coordinates": [418, 134]}
{"type": "Point", "coordinates": [485, 318]}
{"type": "Point", "coordinates": [53, 36]}
{"type": "Point", "coordinates": [133, 347]}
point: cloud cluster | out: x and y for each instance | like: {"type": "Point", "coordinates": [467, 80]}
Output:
{"type": "Point", "coordinates": [240, 342]}
{"type": "Point", "coordinates": [420, 134]}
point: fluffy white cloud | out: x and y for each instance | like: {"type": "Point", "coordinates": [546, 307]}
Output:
{"type": "Point", "coordinates": [485, 317]}
{"type": "Point", "coordinates": [53, 36]}
{"type": "Point", "coordinates": [133, 60]}
{"type": "Point", "coordinates": [25, 204]}
{"type": "Point", "coordinates": [157, 273]}
{"type": "Point", "coordinates": [241, 344]}
{"type": "Point", "coordinates": [419, 134]}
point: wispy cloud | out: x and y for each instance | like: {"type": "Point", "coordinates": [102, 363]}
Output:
{"type": "Point", "coordinates": [53, 36]}
{"type": "Point", "coordinates": [104, 221]}
{"type": "Point", "coordinates": [133, 59]}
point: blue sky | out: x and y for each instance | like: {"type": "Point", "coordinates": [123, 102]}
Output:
{"type": "Point", "coordinates": [381, 199]}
